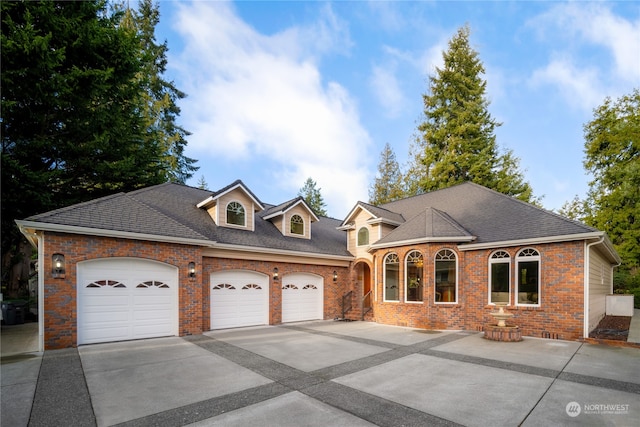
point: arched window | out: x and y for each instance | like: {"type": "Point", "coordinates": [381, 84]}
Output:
{"type": "Point", "coordinates": [391, 277]}
{"type": "Point", "coordinates": [499, 277]}
{"type": "Point", "coordinates": [446, 276]}
{"type": "Point", "coordinates": [363, 236]}
{"type": "Point", "coordinates": [414, 265]}
{"type": "Point", "coordinates": [528, 277]}
{"type": "Point", "coordinates": [297, 225]}
{"type": "Point", "coordinates": [235, 214]}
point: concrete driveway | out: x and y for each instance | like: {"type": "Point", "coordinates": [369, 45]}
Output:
{"type": "Point", "coordinates": [336, 374]}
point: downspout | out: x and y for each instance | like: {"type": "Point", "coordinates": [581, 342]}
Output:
{"type": "Point", "coordinates": [587, 276]}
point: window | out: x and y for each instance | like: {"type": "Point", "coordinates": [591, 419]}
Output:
{"type": "Point", "coordinates": [499, 277]}
{"type": "Point", "coordinates": [297, 225]}
{"type": "Point", "coordinates": [391, 277]}
{"type": "Point", "coordinates": [528, 271]}
{"type": "Point", "coordinates": [413, 281]}
{"type": "Point", "coordinates": [446, 276]}
{"type": "Point", "coordinates": [235, 214]}
{"type": "Point", "coordinates": [363, 236]}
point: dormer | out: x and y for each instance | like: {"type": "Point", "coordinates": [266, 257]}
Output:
{"type": "Point", "coordinates": [233, 206]}
{"type": "Point", "coordinates": [292, 218]}
{"type": "Point", "coordinates": [366, 224]}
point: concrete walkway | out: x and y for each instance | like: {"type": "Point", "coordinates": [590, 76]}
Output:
{"type": "Point", "coordinates": [325, 374]}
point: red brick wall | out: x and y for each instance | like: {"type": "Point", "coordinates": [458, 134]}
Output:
{"type": "Point", "coordinates": [561, 292]}
{"type": "Point", "coordinates": [333, 291]}
{"type": "Point", "coordinates": [60, 311]}
{"type": "Point", "coordinates": [560, 314]}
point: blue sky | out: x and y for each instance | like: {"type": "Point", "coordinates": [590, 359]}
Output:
{"type": "Point", "coordinates": [282, 91]}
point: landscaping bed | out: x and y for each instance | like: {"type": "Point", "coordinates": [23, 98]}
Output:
{"type": "Point", "coordinates": [612, 328]}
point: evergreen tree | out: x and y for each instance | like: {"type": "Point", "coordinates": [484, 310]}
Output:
{"type": "Point", "coordinates": [202, 183]}
{"type": "Point", "coordinates": [457, 135]}
{"type": "Point", "coordinates": [312, 196]}
{"type": "Point", "coordinates": [74, 125]}
{"type": "Point", "coordinates": [387, 185]}
{"type": "Point", "coordinates": [612, 156]}
{"type": "Point", "coordinates": [158, 97]}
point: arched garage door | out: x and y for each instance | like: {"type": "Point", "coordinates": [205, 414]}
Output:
{"type": "Point", "coordinates": [302, 297]}
{"type": "Point", "coordinates": [126, 298]}
{"type": "Point", "coordinates": [239, 298]}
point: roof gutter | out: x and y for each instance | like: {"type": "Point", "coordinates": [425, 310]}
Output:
{"type": "Point", "coordinates": [422, 240]}
{"type": "Point", "coordinates": [28, 228]}
{"type": "Point", "coordinates": [532, 241]}
{"type": "Point", "coordinates": [284, 252]}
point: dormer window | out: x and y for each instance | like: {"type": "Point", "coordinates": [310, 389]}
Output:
{"type": "Point", "coordinates": [363, 236]}
{"type": "Point", "coordinates": [235, 214]}
{"type": "Point", "coordinates": [297, 225]}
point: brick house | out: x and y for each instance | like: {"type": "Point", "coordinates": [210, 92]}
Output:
{"type": "Point", "coordinates": [176, 260]}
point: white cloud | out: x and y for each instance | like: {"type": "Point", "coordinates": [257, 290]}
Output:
{"type": "Point", "coordinates": [598, 25]}
{"type": "Point", "coordinates": [387, 89]}
{"type": "Point", "coordinates": [585, 27]}
{"type": "Point", "coordinates": [252, 95]}
{"type": "Point", "coordinates": [579, 87]}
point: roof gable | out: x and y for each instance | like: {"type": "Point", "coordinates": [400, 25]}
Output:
{"type": "Point", "coordinates": [237, 185]}
{"type": "Point", "coordinates": [285, 207]}
{"type": "Point", "coordinates": [430, 225]}
{"type": "Point", "coordinates": [378, 214]}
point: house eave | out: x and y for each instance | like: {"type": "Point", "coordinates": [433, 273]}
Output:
{"type": "Point", "coordinates": [421, 240]}
{"type": "Point", "coordinates": [283, 252]}
{"type": "Point", "coordinates": [543, 240]}
{"type": "Point", "coordinates": [383, 221]}
{"type": "Point", "coordinates": [28, 228]}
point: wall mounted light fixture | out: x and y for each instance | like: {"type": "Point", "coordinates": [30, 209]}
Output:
{"type": "Point", "coordinates": [58, 268]}
{"type": "Point", "coordinates": [275, 274]}
{"type": "Point", "coordinates": [335, 276]}
{"type": "Point", "coordinates": [192, 269]}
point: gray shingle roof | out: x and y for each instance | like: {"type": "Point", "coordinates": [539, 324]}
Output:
{"type": "Point", "coordinates": [170, 210]}
{"type": "Point", "coordinates": [428, 224]}
{"type": "Point", "coordinates": [484, 213]}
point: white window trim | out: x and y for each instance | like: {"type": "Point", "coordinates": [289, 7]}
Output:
{"type": "Point", "coordinates": [384, 278]}
{"type": "Point", "coordinates": [435, 276]}
{"type": "Point", "coordinates": [406, 281]}
{"type": "Point", "coordinates": [358, 245]}
{"type": "Point", "coordinates": [506, 260]}
{"type": "Point", "coordinates": [304, 227]}
{"type": "Point", "coordinates": [226, 215]}
{"type": "Point", "coordinates": [520, 258]}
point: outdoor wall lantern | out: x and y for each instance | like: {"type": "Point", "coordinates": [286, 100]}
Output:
{"type": "Point", "coordinates": [192, 269]}
{"type": "Point", "coordinates": [58, 265]}
{"type": "Point", "coordinates": [275, 273]}
{"type": "Point", "coordinates": [335, 276]}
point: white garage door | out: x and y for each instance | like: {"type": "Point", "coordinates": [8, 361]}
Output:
{"type": "Point", "coordinates": [302, 297]}
{"type": "Point", "coordinates": [239, 298]}
{"type": "Point", "coordinates": [126, 298]}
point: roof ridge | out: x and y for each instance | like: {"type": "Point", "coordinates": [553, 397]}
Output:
{"type": "Point", "coordinates": [444, 215]}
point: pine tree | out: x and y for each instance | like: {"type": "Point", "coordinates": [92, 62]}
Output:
{"type": "Point", "coordinates": [612, 156]}
{"type": "Point", "coordinates": [79, 118]}
{"type": "Point", "coordinates": [387, 185]}
{"type": "Point", "coordinates": [312, 196]}
{"type": "Point", "coordinates": [202, 183]}
{"type": "Point", "coordinates": [457, 137]}
{"type": "Point", "coordinates": [158, 97]}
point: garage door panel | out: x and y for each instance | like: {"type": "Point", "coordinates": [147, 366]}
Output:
{"type": "Point", "coordinates": [239, 298]}
{"type": "Point", "coordinates": [302, 297]}
{"type": "Point", "coordinates": [126, 298]}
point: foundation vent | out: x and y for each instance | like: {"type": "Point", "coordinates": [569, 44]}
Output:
{"type": "Point", "coordinates": [550, 335]}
